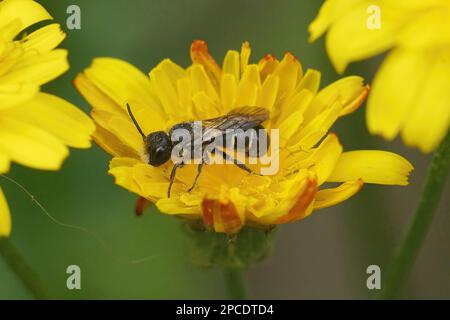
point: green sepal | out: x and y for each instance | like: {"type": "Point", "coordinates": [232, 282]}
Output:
{"type": "Point", "coordinates": [212, 249]}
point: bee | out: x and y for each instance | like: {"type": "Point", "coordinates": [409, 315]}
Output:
{"type": "Point", "coordinates": [245, 121]}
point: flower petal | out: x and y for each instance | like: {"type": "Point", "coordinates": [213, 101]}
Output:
{"type": "Point", "coordinates": [380, 167]}
{"type": "Point", "coordinates": [12, 94]}
{"type": "Point", "coordinates": [28, 12]}
{"type": "Point", "coordinates": [122, 82]}
{"type": "Point", "coordinates": [310, 81]}
{"type": "Point", "coordinates": [364, 41]}
{"type": "Point", "coordinates": [332, 196]}
{"type": "Point", "coordinates": [30, 145]}
{"type": "Point", "coordinates": [324, 158]}
{"type": "Point", "coordinates": [58, 117]}
{"type": "Point", "coordinates": [5, 217]}
{"type": "Point", "coordinates": [350, 92]}
{"type": "Point", "coordinates": [231, 64]}
{"type": "Point", "coordinates": [112, 145]}
{"type": "Point", "coordinates": [245, 55]}
{"type": "Point", "coordinates": [123, 129]}
{"type": "Point", "coordinates": [38, 68]}
{"type": "Point", "coordinates": [175, 206]}
{"type": "Point", "coordinates": [122, 170]}
{"type": "Point", "coordinates": [397, 85]}
{"type": "Point", "coordinates": [428, 121]}
{"type": "Point", "coordinates": [224, 214]}
{"type": "Point", "coordinates": [330, 11]}
{"type": "Point", "coordinates": [4, 163]}
{"type": "Point", "coordinates": [44, 39]}
{"type": "Point", "coordinates": [200, 54]}
{"type": "Point", "coordinates": [302, 206]}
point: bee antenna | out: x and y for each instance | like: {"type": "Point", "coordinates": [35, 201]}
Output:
{"type": "Point", "coordinates": [135, 122]}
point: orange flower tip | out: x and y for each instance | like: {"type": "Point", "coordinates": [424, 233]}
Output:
{"type": "Point", "coordinates": [365, 93]}
{"type": "Point", "coordinates": [334, 135]}
{"type": "Point", "coordinates": [141, 204]}
{"type": "Point", "coordinates": [199, 46]}
{"type": "Point", "coordinates": [360, 183]}
{"type": "Point", "coordinates": [246, 44]}
{"type": "Point", "coordinates": [269, 57]}
{"type": "Point", "coordinates": [221, 216]}
{"type": "Point", "coordinates": [290, 56]}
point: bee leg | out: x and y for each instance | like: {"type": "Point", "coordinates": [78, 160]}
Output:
{"type": "Point", "coordinates": [205, 160]}
{"type": "Point", "coordinates": [199, 170]}
{"type": "Point", "coordinates": [172, 176]}
{"type": "Point", "coordinates": [229, 158]}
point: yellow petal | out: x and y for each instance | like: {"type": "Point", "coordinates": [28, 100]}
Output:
{"type": "Point", "coordinates": [28, 12]}
{"type": "Point", "coordinates": [349, 92]}
{"type": "Point", "coordinates": [44, 39]}
{"type": "Point", "coordinates": [122, 170]}
{"type": "Point", "coordinates": [96, 98]}
{"type": "Point", "coordinates": [247, 94]}
{"type": "Point", "coordinates": [312, 132]}
{"type": "Point", "coordinates": [30, 145]}
{"type": "Point", "coordinates": [5, 217]}
{"type": "Point", "coordinates": [8, 32]}
{"type": "Point", "coordinates": [296, 103]}
{"type": "Point", "coordinates": [228, 91]}
{"type": "Point", "coordinates": [200, 54]}
{"type": "Point", "coordinates": [372, 166]}
{"type": "Point", "coordinates": [396, 87]}
{"type": "Point", "coordinates": [310, 81]}
{"type": "Point", "coordinates": [224, 213]}
{"type": "Point", "coordinates": [153, 183]}
{"type": "Point", "coordinates": [122, 82]}
{"type": "Point", "coordinates": [245, 55]}
{"type": "Point", "coordinates": [332, 196]}
{"type": "Point", "coordinates": [429, 28]}
{"type": "Point", "coordinates": [267, 65]}
{"type": "Point", "coordinates": [349, 38]}
{"type": "Point", "coordinates": [204, 106]}
{"type": "Point", "coordinates": [122, 128]}
{"type": "Point", "coordinates": [231, 64]}
{"type": "Point", "coordinates": [56, 116]}
{"type": "Point", "coordinates": [12, 94]}
{"type": "Point", "coordinates": [302, 205]}
{"type": "Point", "coordinates": [269, 92]}
{"type": "Point", "coordinates": [112, 145]}
{"type": "Point", "coordinates": [330, 12]}
{"type": "Point", "coordinates": [289, 71]}
{"type": "Point", "coordinates": [184, 89]}
{"type": "Point", "coordinates": [4, 163]}
{"type": "Point", "coordinates": [164, 80]}
{"type": "Point", "coordinates": [175, 206]}
{"type": "Point", "coordinates": [201, 82]}
{"type": "Point", "coordinates": [324, 158]}
{"type": "Point", "coordinates": [38, 68]}
{"type": "Point", "coordinates": [429, 118]}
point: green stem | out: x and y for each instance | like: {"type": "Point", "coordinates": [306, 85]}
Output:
{"type": "Point", "coordinates": [22, 270]}
{"type": "Point", "coordinates": [431, 194]}
{"type": "Point", "coordinates": [236, 284]}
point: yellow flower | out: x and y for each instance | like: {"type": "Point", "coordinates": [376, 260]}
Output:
{"type": "Point", "coordinates": [410, 92]}
{"type": "Point", "coordinates": [226, 197]}
{"type": "Point", "coordinates": [35, 128]}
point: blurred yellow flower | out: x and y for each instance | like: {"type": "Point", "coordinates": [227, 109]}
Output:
{"type": "Point", "coordinates": [410, 92]}
{"type": "Point", "coordinates": [35, 128]}
{"type": "Point", "coordinates": [226, 197]}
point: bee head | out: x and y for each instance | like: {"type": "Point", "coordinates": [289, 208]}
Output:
{"type": "Point", "coordinates": [158, 148]}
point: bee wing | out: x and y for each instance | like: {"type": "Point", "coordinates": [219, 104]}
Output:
{"type": "Point", "coordinates": [243, 118]}
{"type": "Point", "coordinates": [240, 118]}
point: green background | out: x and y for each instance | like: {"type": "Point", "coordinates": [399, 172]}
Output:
{"type": "Point", "coordinates": [324, 256]}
